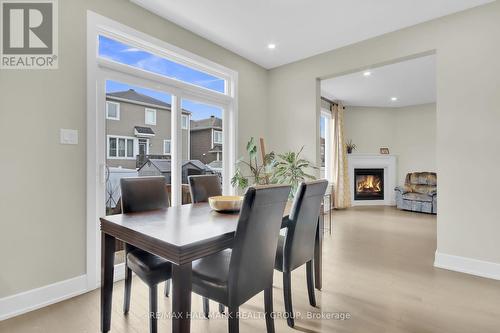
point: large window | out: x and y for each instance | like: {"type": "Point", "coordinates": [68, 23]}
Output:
{"type": "Point", "coordinates": [325, 141]}
{"type": "Point", "coordinates": [127, 54]}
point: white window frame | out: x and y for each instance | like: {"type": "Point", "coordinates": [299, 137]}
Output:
{"type": "Point", "coordinates": [99, 70]}
{"type": "Point", "coordinates": [117, 110]}
{"type": "Point", "coordinates": [170, 143]}
{"type": "Point", "coordinates": [185, 117]}
{"type": "Point", "coordinates": [134, 152]}
{"type": "Point", "coordinates": [328, 144]}
{"type": "Point", "coordinates": [214, 131]}
{"type": "Point", "coordinates": [153, 111]}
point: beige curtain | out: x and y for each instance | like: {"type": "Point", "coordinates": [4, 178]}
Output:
{"type": "Point", "coordinates": [342, 195]}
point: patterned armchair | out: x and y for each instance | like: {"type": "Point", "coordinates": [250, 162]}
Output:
{"type": "Point", "coordinates": [419, 193]}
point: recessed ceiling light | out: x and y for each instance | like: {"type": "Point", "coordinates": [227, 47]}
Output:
{"type": "Point", "coordinates": [367, 73]}
{"type": "Point", "coordinates": [394, 99]}
{"type": "Point", "coordinates": [271, 46]}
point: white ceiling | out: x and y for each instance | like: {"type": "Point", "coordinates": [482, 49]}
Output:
{"type": "Point", "coordinates": [412, 82]}
{"type": "Point", "coordinates": [299, 28]}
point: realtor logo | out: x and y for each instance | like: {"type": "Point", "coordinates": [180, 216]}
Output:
{"type": "Point", "coordinates": [29, 34]}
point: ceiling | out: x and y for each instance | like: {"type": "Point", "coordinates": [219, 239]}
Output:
{"type": "Point", "coordinates": [299, 28]}
{"type": "Point", "coordinates": [412, 82]}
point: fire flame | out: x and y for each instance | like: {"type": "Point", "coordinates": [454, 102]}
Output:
{"type": "Point", "coordinates": [369, 184]}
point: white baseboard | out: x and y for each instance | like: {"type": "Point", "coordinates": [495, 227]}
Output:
{"type": "Point", "coordinates": [34, 299]}
{"type": "Point", "coordinates": [30, 300]}
{"type": "Point", "coordinates": [466, 265]}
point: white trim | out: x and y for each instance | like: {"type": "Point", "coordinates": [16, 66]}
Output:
{"type": "Point", "coordinates": [33, 299]}
{"type": "Point", "coordinates": [117, 110]}
{"type": "Point", "coordinates": [466, 265]}
{"type": "Point", "coordinates": [176, 151]}
{"type": "Point", "coordinates": [146, 110]}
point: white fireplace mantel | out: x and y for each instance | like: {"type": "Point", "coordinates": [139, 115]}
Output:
{"type": "Point", "coordinates": [374, 161]}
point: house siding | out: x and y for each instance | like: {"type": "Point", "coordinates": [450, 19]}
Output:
{"type": "Point", "coordinates": [201, 143]}
{"type": "Point", "coordinates": [132, 115]}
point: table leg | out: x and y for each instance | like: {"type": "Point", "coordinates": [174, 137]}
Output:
{"type": "Point", "coordinates": [107, 270]}
{"type": "Point", "coordinates": [318, 254]}
{"type": "Point", "coordinates": [181, 298]}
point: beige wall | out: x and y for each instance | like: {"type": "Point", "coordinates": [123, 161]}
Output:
{"type": "Point", "coordinates": [42, 191]}
{"type": "Point", "coordinates": [468, 116]}
{"type": "Point", "coordinates": [408, 132]}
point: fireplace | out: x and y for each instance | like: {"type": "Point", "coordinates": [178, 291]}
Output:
{"type": "Point", "coordinates": [368, 184]}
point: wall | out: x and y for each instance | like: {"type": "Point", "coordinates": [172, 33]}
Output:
{"type": "Point", "coordinates": [408, 132]}
{"type": "Point", "coordinates": [468, 118]}
{"type": "Point", "coordinates": [43, 198]}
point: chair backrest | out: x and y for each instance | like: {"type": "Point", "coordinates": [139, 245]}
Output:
{"type": "Point", "coordinates": [301, 233]}
{"type": "Point", "coordinates": [256, 239]}
{"type": "Point", "coordinates": [140, 194]}
{"type": "Point", "coordinates": [421, 182]}
{"type": "Point", "coordinates": [204, 186]}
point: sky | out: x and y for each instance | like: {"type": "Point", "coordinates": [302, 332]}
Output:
{"type": "Point", "coordinates": [119, 52]}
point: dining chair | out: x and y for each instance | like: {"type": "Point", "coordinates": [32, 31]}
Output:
{"type": "Point", "coordinates": [296, 248]}
{"type": "Point", "coordinates": [202, 187]}
{"type": "Point", "coordinates": [233, 276]}
{"type": "Point", "coordinates": [140, 194]}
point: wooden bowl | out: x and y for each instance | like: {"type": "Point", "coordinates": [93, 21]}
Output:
{"type": "Point", "coordinates": [226, 203]}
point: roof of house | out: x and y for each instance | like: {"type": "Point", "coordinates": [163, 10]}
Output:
{"type": "Point", "coordinates": [216, 165]}
{"type": "Point", "coordinates": [133, 96]}
{"type": "Point", "coordinates": [212, 122]}
{"type": "Point", "coordinates": [144, 130]}
{"type": "Point", "coordinates": [164, 165]}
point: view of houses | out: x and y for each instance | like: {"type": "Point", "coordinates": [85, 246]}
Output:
{"type": "Point", "coordinates": [139, 128]}
{"type": "Point", "coordinates": [138, 135]}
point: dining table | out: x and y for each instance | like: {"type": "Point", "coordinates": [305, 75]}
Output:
{"type": "Point", "coordinates": [180, 234]}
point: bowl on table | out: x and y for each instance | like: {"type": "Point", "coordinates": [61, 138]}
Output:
{"type": "Point", "coordinates": [226, 203]}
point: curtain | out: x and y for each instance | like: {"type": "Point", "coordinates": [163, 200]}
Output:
{"type": "Point", "coordinates": [342, 196]}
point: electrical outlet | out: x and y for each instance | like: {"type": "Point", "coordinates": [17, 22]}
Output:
{"type": "Point", "coordinates": [69, 136]}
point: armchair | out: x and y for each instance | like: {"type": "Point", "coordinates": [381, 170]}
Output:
{"type": "Point", "coordinates": [419, 193]}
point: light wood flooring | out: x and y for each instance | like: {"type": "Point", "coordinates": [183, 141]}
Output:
{"type": "Point", "coordinates": [377, 267]}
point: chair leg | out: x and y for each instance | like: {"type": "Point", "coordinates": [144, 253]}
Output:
{"type": "Point", "coordinates": [128, 287]}
{"type": "Point", "coordinates": [167, 288]}
{"type": "Point", "coordinates": [206, 307]}
{"type": "Point", "coordinates": [221, 308]}
{"type": "Point", "coordinates": [287, 293]}
{"type": "Point", "coordinates": [153, 309]}
{"type": "Point", "coordinates": [233, 319]}
{"type": "Point", "coordinates": [310, 282]}
{"type": "Point", "coordinates": [268, 306]}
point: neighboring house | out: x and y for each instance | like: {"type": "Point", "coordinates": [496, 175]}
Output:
{"type": "Point", "coordinates": [139, 126]}
{"type": "Point", "coordinates": [161, 167]}
{"type": "Point", "coordinates": [206, 141]}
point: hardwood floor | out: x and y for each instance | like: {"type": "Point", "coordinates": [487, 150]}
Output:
{"type": "Point", "coordinates": [377, 267]}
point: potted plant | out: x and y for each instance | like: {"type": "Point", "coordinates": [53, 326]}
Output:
{"type": "Point", "coordinates": [260, 173]}
{"type": "Point", "coordinates": [350, 146]}
{"type": "Point", "coordinates": [290, 169]}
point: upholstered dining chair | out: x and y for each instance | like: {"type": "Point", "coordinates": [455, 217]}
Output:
{"type": "Point", "coordinates": [233, 276]}
{"type": "Point", "coordinates": [297, 247]}
{"type": "Point", "coordinates": [202, 187]}
{"type": "Point", "coordinates": [140, 194]}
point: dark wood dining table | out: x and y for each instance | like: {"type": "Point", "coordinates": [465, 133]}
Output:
{"type": "Point", "coordinates": [181, 235]}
